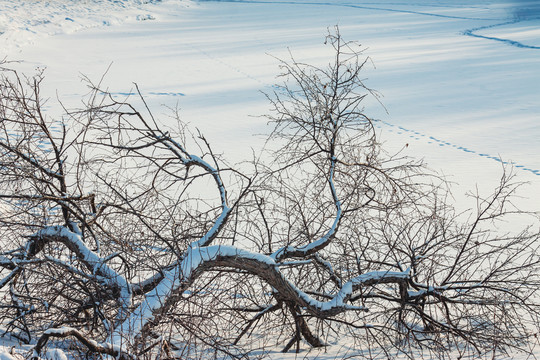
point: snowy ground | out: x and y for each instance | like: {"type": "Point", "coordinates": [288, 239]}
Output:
{"type": "Point", "coordinates": [460, 79]}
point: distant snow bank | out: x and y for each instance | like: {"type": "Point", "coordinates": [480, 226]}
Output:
{"type": "Point", "coordinates": [25, 22]}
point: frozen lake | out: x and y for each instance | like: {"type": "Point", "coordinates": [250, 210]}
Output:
{"type": "Point", "coordinates": [460, 81]}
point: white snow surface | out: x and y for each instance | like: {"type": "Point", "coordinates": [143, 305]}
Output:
{"type": "Point", "coordinates": [460, 79]}
{"type": "Point", "coordinates": [13, 353]}
{"type": "Point", "coordinates": [459, 101]}
{"type": "Point", "coordinates": [55, 354]}
{"type": "Point", "coordinates": [6, 355]}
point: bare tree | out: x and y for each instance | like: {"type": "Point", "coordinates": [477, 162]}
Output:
{"type": "Point", "coordinates": [138, 240]}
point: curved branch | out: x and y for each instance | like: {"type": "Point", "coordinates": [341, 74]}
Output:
{"type": "Point", "coordinates": [199, 260]}
{"type": "Point", "coordinates": [314, 247]}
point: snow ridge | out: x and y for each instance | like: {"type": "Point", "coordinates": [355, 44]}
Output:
{"type": "Point", "coordinates": [25, 22]}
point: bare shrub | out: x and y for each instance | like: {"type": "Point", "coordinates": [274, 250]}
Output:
{"type": "Point", "coordinates": [137, 240]}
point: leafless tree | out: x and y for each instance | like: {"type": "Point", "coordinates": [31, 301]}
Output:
{"type": "Point", "coordinates": [135, 239]}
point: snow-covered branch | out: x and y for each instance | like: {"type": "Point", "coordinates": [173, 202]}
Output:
{"type": "Point", "coordinates": [91, 260]}
{"type": "Point", "coordinates": [199, 260]}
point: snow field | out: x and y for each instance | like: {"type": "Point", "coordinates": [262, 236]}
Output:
{"type": "Point", "coordinates": [459, 80]}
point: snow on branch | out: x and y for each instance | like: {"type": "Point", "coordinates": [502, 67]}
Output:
{"type": "Point", "coordinates": [198, 260]}
{"type": "Point", "coordinates": [92, 261]}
